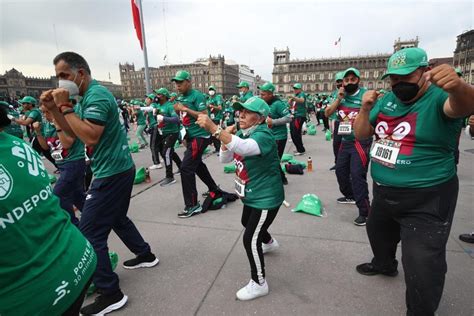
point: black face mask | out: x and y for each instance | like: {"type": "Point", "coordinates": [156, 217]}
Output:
{"type": "Point", "coordinates": [406, 91]}
{"type": "Point", "coordinates": [351, 88]}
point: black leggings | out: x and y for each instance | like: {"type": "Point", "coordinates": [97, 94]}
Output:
{"type": "Point", "coordinates": [75, 307]}
{"type": "Point", "coordinates": [169, 154]}
{"type": "Point", "coordinates": [256, 223]}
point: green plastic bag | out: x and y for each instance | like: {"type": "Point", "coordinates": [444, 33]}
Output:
{"type": "Point", "coordinates": [114, 261]}
{"type": "Point", "coordinates": [230, 168]}
{"type": "Point", "coordinates": [311, 130]}
{"type": "Point", "coordinates": [310, 204]}
{"type": "Point", "coordinates": [297, 162]}
{"type": "Point", "coordinates": [52, 179]}
{"type": "Point", "coordinates": [139, 175]}
{"type": "Point", "coordinates": [134, 148]}
{"type": "Point", "coordinates": [206, 151]}
{"type": "Point", "coordinates": [328, 135]}
{"type": "Point", "coordinates": [177, 144]}
{"type": "Point", "coordinates": [286, 157]}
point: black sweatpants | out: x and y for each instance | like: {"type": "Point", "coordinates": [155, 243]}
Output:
{"type": "Point", "coordinates": [281, 143]}
{"type": "Point", "coordinates": [156, 145]}
{"type": "Point", "coordinates": [193, 165]}
{"type": "Point", "coordinates": [169, 154]}
{"type": "Point", "coordinates": [256, 223]}
{"type": "Point", "coordinates": [421, 219]}
{"type": "Point", "coordinates": [351, 172]}
{"type": "Point", "coordinates": [296, 127]}
{"type": "Point", "coordinates": [336, 140]}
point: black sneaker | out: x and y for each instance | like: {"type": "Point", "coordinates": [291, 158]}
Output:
{"type": "Point", "coordinates": [167, 181]}
{"type": "Point", "coordinates": [162, 180]}
{"type": "Point", "coordinates": [190, 211]}
{"type": "Point", "coordinates": [285, 181]}
{"type": "Point", "coordinates": [145, 261]}
{"type": "Point", "coordinates": [360, 220]}
{"type": "Point", "coordinates": [467, 238]}
{"type": "Point", "coordinates": [344, 200]}
{"type": "Point", "coordinates": [104, 304]}
{"type": "Point", "coordinates": [369, 269]}
{"type": "Point", "coordinates": [332, 168]}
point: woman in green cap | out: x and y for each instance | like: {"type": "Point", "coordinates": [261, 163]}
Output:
{"type": "Point", "coordinates": [257, 182]}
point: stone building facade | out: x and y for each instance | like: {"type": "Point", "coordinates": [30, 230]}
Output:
{"type": "Point", "coordinates": [317, 75]}
{"type": "Point", "coordinates": [464, 55]}
{"type": "Point", "coordinates": [204, 72]}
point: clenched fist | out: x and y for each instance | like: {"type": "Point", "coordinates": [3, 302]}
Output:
{"type": "Point", "coordinates": [60, 96]}
{"type": "Point", "coordinates": [445, 77]}
{"type": "Point", "coordinates": [369, 98]}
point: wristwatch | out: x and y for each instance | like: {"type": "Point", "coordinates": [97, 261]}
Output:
{"type": "Point", "coordinates": [217, 133]}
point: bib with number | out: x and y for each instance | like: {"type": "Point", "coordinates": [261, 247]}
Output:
{"type": "Point", "coordinates": [212, 116]}
{"type": "Point", "coordinates": [345, 128]}
{"type": "Point", "coordinates": [240, 187]}
{"type": "Point", "coordinates": [57, 154]}
{"type": "Point", "coordinates": [385, 152]}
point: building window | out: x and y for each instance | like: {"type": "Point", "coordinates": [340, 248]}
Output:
{"type": "Point", "coordinates": [325, 87]}
{"type": "Point", "coordinates": [321, 76]}
{"type": "Point", "coordinates": [366, 74]}
{"type": "Point", "coordinates": [376, 74]}
{"type": "Point", "coordinates": [371, 85]}
{"type": "Point", "coordinates": [330, 76]}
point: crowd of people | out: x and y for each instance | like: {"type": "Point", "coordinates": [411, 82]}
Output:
{"type": "Point", "coordinates": [408, 136]}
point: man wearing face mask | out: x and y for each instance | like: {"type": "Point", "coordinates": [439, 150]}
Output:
{"type": "Point", "coordinates": [98, 126]}
{"type": "Point", "coordinates": [214, 108]}
{"type": "Point", "coordinates": [298, 113]}
{"type": "Point", "coordinates": [244, 91]}
{"type": "Point", "coordinates": [190, 104]}
{"type": "Point", "coordinates": [415, 183]}
{"type": "Point", "coordinates": [155, 136]}
{"type": "Point", "coordinates": [333, 119]}
{"type": "Point", "coordinates": [352, 160]}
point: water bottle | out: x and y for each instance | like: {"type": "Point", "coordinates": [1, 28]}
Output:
{"type": "Point", "coordinates": [310, 164]}
{"type": "Point", "coordinates": [147, 175]}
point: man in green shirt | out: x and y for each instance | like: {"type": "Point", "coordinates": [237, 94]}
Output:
{"type": "Point", "coordinates": [168, 125]}
{"type": "Point", "coordinates": [156, 138]}
{"type": "Point", "coordinates": [190, 104]}
{"type": "Point", "coordinates": [277, 119]}
{"type": "Point", "coordinates": [98, 127]}
{"type": "Point", "coordinates": [353, 157]}
{"type": "Point", "coordinates": [244, 91]}
{"type": "Point", "coordinates": [13, 128]}
{"type": "Point", "coordinates": [333, 120]}
{"type": "Point", "coordinates": [298, 118]}
{"type": "Point", "coordinates": [214, 108]}
{"type": "Point", "coordinates": [46, 264]}
{"type": "Point", "coordinates": [68, 152]}
{"type": "Point", "coordinates": [141, 123]}
{"type": "Point", "coordinates": [258, 183]}
{"type": "Point", "coordinates": [416, 127]}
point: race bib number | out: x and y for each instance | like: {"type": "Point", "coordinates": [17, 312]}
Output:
{"type": "Point", "coordinates": [57, 155]}
{"type": "Point", "coordinates": [212, 116]}
{"type": "Point", "coordinates": [240, 187]}
{"type": "Point", "coordinates": [385, 152]}
{"type": "Point", "coordinates": [345, 128]}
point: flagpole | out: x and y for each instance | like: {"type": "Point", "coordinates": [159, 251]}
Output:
{"type": "Point", "coordinates": [145, 55]}
{"type": "Point", "coordinates": [340, 47]}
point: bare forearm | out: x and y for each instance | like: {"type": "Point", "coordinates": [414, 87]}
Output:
{"type": "Point", "coordinates": [193, 113]}
{"type": "Point", "coordinates": [362, 127]}
{"type": "Point", "coordinates": [82, 130]}
{"type": "Point", "coordinates": [65, 139]}
{"type": "Point", "coordinates": [41, 140]}
{"type": "Point", "coordinates": [461, 102]}
{"type": "Point", "coordinates": [332, 108]}
{"type": "Point", "coordinates": [60, 121]}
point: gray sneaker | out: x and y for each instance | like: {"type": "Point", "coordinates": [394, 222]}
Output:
{"type": "Point", "coordinates": [190, 211]}
{"type": "Point", "coordinates": [167, 181]}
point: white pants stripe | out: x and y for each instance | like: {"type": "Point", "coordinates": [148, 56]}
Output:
{"type": "Point", "coordinates": [256, 258]}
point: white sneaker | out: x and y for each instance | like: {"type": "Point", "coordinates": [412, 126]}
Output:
{"type": "Point", "coordinates": [273, 245]}
{"type": "Point", "coordinates": [158, 166]}
{"type": "Point", "coordinates": [252, 290]}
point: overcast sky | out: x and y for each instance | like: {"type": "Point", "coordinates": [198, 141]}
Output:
{"type": "Point", "coordinates": [32, 32]}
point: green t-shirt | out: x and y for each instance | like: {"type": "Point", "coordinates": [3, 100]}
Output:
{"type": "Point", "coordinates": [75, 152]}
{"type": "Point", "coordinates": [167, 110]}
{"type": "Point", "coordinates": [14, 128]}
{"type": "Point", "coordinates": [229, 114]}
{"type": "Point", "coordinates": [332, 97]}
{"type": "Point", "coordinates": [246, 96]}
{"type": "Point", "coordinates": [298, 109]}
{"type": "Point", "coordinates": [195, 101]}
{"type": "Point", "coordinates": [348, 110]}
{"type": "Point", "coordinates": [36, 115]}
{"type": "Point", "coordinates": [111, 154]}
{"type": "Point", "coordinates": [45, 261]}
{"type": "Point", "coordinates": [141, 120]}
{"type": "Point", "coordinates": [261, 173]}
{"type": "Point", "coordinates": [279, 109]}
{"type": "Point", "coordinates": [213, 112]}
{"type": "Point", "coordinates": [151, 118]}
{"type": "Point", "coordinates": [428, 140]}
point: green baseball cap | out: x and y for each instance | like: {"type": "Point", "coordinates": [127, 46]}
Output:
{"type": "Point", "coordinates": [355, 71]}
{"type": "Point", "coordinates": [173, 94]}
{"type": "Point", "coordinates": [267, 86]}
{"type": "Point", "coordinates": [212, 88]}
{"type": "Point", "coordinates": [151, 96]}
{"type": "Point", "coordinates": [339, 76]}
{"type": "Point", "coordinates": [297, 86]}
{"type": "Point", "coordinates": [29, 100]}
{"type": "Point", "coordinates": [406, 61]}
{"type": "Point", "coordinates": [5, 104]}
{"type": "Point", "coordinates": [243, 84]}
{"type": "Point", "coordinates": [254, 104]}
{"type": "Point", "coordinates": [181, 75]}
{"type": "Point", "coordinates": [163, 92]}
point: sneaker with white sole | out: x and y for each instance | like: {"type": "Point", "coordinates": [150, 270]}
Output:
{"type": "Point", "coordinates": [145, 261]}
{"type": "Point", "coordinates": [344, 200]}
{"type": "Point", "coordinates": [154, 167]}
{"type": "Point", "coordinates": [104, 304]}
{"type": "Point", "coordinates": [252, 290]}
{"type": "Point", "coordinates": [167, 181]}
{"type": "Point", "coordinates": [271, 246]}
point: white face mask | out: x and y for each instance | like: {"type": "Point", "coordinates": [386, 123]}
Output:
{"type": "Point", "coordinates": [70, 86]}
{"type": "Point", "coordinates": [247, 131]}
{"type": "Point", "coordinates": [241, 93]}
{"type": "Point", "coordinates": [212, 92]}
